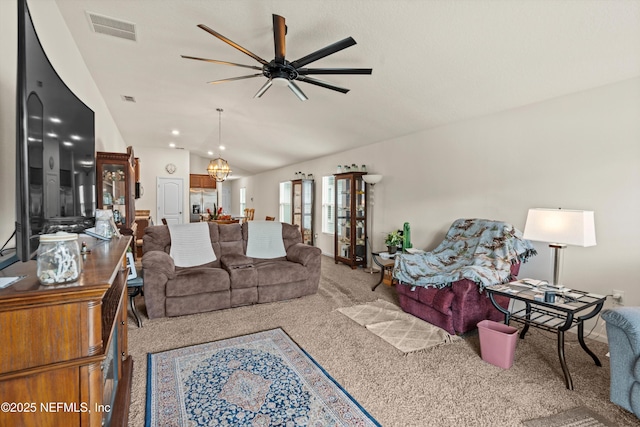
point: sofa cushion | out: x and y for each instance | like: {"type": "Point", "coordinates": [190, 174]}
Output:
{"type": "Point", "coordinates": [275, 272]}
{"type": "Point", "coordinates": [199, 303]}
{"type": "Point", "coordinates": [230, 240]}
{"type": "Point", "coordinates": [242, 278]}
{"type": "Point", "coordinates": [198, 280]}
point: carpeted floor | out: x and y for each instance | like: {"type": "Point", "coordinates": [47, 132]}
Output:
{"type": "Point", "coordinates": [449, 385]}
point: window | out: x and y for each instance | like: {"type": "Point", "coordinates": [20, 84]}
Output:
{"type": "Point", "coordinates": [243, 200]}
{"type": "Point", "coordinates": [285, 202]}
{"type": "Point", "coordinates": [328, 204]}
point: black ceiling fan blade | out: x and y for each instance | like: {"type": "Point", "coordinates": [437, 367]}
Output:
{"type": "Point", "coordinates": [325, 51]}
{"type": "Point", "coordinates": [279, 32]}
{"type": "Point", "coordinates": [215, 61]}
{"type": "Point", "coordinates": [235, 78]}
{"type": "Point", "coordinates": [320, 83]}
{"type": "Point", "coordinates": [307, 71]}
{"type": "Point", "coordinates": [233, 44]}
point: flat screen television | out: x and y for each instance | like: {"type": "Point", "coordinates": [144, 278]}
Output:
{"type": "Point", "coordinates": [55, 151]}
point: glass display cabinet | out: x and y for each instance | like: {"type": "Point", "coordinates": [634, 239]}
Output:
{"type": "Point", "coordinates": [115, 182]}
{"type": "Point", "coordinates": [302, 208]}
{"type": "Point", "coordinates": [351, 219]}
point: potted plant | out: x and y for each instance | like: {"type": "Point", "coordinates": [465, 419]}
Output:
{"type": "Point", "coordinates": [216, 212]}
{"type": "Point", "coordinates": [392, 241]}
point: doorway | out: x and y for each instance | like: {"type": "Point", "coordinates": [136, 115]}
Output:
{"type": "Point", "coordinates": [170, 200]}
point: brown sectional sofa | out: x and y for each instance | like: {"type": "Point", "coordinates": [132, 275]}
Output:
{"type": "Point", "coordinates": [232, 280]}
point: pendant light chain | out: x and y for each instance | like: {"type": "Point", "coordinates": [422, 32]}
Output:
{"type": "Point", "coordinates": [218, 168]}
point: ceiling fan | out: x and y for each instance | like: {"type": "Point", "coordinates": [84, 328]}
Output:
{"type": "Point", "coordinates": [282, 72]}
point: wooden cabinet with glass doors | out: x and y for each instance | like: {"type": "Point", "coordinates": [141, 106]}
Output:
{"type": "Point", "coordinates": [351, 219]}
{"type": "Point", "coordinates": [302, 208]}
{"type": "Point", "coordinates": [115, 176]}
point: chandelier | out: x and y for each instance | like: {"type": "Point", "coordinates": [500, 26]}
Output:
{"type": "Point", "coordinates": [218, 168]}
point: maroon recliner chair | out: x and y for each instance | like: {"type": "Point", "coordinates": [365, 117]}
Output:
{"type": "Point", "coordinates": [445, 287]}
{"type": "Point", "coordinates": [457, 308]}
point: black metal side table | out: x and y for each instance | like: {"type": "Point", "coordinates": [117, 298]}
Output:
{"type": "Point", "coordinates": [384, 266]}
{"type": "Point", "coordinates": [134, 288]}
{"type": "Point", "coordinates": [570, 308]}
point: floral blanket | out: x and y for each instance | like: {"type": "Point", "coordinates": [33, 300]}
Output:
{"type": "Point", "coordinates": [476, 249]}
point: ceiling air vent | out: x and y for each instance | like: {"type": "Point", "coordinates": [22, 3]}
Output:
{"type": "Point", "coordinates": [112, 27]}
{"type": "Point", "coordinates": [127, 98]}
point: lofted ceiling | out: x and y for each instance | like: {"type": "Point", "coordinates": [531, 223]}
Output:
{"type": "Point", "coordinates": [434, 62]}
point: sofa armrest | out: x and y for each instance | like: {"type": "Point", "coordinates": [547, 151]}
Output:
{"type": "Point", "coordinates": [235, 261]}
{"type": "Point", "coordinates": [302, 254]}
{"type": "Point", "coordinates": [158, 269]}
{"type": "Point", "coordinates": [159, 261]}
{"type": "Point", "coordinates": [628, 320]}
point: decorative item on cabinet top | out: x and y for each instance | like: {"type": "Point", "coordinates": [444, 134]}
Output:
{"type": "Point", "coordinates": [353, 168]}
{"type": "Point", "coordinates": [302, 175]}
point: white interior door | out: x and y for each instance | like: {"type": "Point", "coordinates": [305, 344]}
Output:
{"type": "Point", "coordinates": [170, 200]}
{"type": "Point", "coordinates": [226, 199]}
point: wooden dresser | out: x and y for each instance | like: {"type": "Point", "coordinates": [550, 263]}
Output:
{"type": "Point", "coordinates": [63, 349]}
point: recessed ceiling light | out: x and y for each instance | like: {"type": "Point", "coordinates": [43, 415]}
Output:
{"type": "Point", "coordinates": [222, 147]}
{"type": "Point", "coordinates": [55, 120]}
{"type": "Point", "coordinates": [67, 143]}
{"type": "Point", "coordinates": [52, 135]}
{"type": "Point", "coordinates": [76, 137]}
{"type": "Point", "coordinates": [210, 153]}
{"type": "Point", "coordinates": [172, 145]}
{"type": "Point", "coordinates": [175, 132]}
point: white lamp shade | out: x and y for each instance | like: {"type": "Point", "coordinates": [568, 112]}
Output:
{"type": "Point", "coordinates": [372, 179]}
{"type": "Point", "coordinates": [564, 226]}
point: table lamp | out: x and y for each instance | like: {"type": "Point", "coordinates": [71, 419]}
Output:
{"type": "Point", "coordinates": [560, 227]}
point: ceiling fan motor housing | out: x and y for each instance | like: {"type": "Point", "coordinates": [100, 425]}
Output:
{"type": "Point", "coordinates": [274, 70]}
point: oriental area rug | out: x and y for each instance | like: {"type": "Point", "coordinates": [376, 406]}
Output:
{"type": "Point", "coordinates": [256, 380]}
{"type": "Point", "coordinates": [405, 332]}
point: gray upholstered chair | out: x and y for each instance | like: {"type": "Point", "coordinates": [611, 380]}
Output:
{"type": "Point", "coordinates": [623, 334]}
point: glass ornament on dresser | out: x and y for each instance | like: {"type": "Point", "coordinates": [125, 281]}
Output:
{"type": "Point", "coordinates": [59, 260]}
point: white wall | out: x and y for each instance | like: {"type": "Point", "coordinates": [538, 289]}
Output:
{"type": "Point", "coordinates": [576, 152]}
{"type": "Point", "coordinates": [65, 58]}
{"type": "Point", "coordinates": [152, 165]}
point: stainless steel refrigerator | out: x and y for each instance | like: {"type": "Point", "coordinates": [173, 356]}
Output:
{"type": "Point", "coordinates": [201, 199]}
